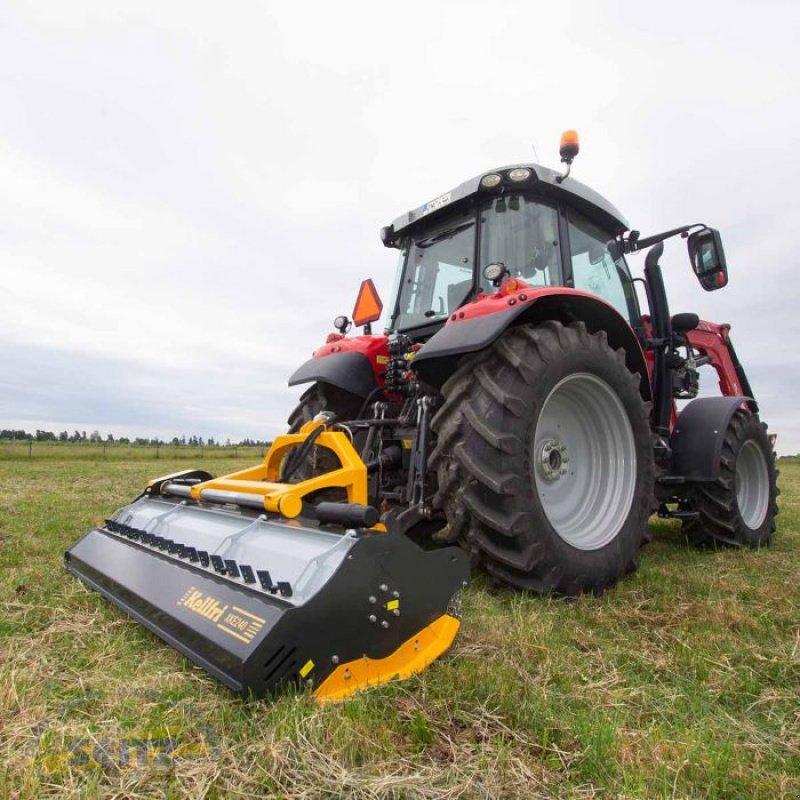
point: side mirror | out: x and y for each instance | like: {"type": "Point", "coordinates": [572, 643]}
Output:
{"type": "Point", "coordinates": [708, 259]}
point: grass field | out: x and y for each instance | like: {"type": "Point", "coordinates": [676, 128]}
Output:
{"type": "Point", "coordinates": [97, 451]}
{"type": "Point", "coordinates": [682, 682]}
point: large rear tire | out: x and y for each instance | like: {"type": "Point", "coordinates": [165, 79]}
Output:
{"type": "Point", "coordinates": [544, 460]}
{"type": "Point", "coordinates": [738, 509]}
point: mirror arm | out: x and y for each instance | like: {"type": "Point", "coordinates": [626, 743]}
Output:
{"type": "Point", "coordinates": [632, 243]}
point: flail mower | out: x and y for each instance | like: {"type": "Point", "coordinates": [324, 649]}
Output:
{"type": "Point", "coordinates": [520, 415]}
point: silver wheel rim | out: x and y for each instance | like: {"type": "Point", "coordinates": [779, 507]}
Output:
{"type": "Point", "coordinates": [752, 485]}
{"type": "Point", "coordinates": [584, 461]}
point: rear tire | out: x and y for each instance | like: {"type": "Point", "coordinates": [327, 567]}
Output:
{"type": "Point", "coordinates": [738, 509]}
{"type": "Point", "coordinates": [544, 460]}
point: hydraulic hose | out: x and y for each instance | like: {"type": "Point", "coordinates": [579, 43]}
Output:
{"type": "Point", "coordinates": [300, 454]}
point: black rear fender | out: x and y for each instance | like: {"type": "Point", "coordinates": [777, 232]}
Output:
{"type": "Point", "coordinates": [696, 440]}
{"type": "Point", "coordinates": [349, 371]}
{"type": "Point", "coordinates": [439, 357]}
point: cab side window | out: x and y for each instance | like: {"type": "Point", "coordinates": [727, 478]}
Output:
{"type": "Point", "coordinates": [595, 271]}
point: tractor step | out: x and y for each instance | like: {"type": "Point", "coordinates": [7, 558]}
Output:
{"type": "Point", "coordinates": [684, 516]}
{"type": "Point", "coordinates": [671, 480]}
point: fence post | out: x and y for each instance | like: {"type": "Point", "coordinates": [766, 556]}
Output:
{"type": "Point", "coordinates": [158, 447]}
{"type": "Point", "coordinates": [30, 448]}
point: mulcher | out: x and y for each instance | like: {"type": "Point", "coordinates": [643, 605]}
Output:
{"type": "Point", "coordinates": [521, 414]}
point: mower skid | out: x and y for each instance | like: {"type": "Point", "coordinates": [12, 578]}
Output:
{"type": "Point", "coordinates": [265, 603]}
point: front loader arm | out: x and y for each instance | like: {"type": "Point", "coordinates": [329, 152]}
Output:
{"type": "Point", "coordinates": [713, 342]}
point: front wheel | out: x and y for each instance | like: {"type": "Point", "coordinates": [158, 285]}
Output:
{"type": "Point", "coordinates": [738, 509]}
{"type": "Point", "coordinates": [544, 460]}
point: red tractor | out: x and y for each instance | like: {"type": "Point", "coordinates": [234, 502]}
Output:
{"type": "Point", "coordinates": [520, 405]}
{"type": "Point", "coordinates": [522, 402]}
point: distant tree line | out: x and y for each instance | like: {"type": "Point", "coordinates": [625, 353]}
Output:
{"type": "Point", "coordinates": [95, 437]}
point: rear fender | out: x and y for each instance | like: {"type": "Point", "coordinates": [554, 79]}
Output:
{"type": "Point", "coordinates": [696, 440]}
{"type": "Point", "coordinates": [349, 371]}
{"type": "Point", "coordinates": [476, 326]}
{"type": "Point", "coordinates": [356, 364]}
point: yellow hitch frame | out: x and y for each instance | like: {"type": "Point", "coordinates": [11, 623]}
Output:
{"type": "Point", "coordinates": [286, 499]}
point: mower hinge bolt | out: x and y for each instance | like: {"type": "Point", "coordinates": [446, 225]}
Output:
{"type": "Point", "coordinates": [334, 659]}
{"type": "Point", "coordinates": [373, 599]}
{"type": "Point", "coordinates": [383, 587]}
{"type": "Point", "coordinates": [384, 624]}
{"type": "Point", "coordinates": [373, 618]}
{"type": "Point", "coordinates": [395, 593]}
{"type": "Point", "coordinates": [396, 612]}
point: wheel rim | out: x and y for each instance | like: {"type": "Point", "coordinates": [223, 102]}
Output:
{"type": "Point", "coordinates": [584, 458]}
{"type": "Point", "coordinates": [752, 485]}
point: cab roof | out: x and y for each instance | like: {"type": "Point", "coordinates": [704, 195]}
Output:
{"type": "Point", "coordinates": [543, 182]}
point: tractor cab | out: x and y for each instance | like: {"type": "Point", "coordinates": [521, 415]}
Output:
{"type": "Point", "coordinates": [523, 223]}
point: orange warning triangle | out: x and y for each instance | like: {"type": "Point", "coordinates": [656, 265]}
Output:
{"type": "Point", "coordinates": [368, 306]}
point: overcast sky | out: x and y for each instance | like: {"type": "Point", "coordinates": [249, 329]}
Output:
{"type": "Point", "coordinates": [191, 192]}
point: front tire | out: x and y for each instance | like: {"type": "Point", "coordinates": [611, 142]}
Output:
{"type": "Point", "coordinates": [544, 460]}
{"type": "Point", "coordinates": [738, 509]}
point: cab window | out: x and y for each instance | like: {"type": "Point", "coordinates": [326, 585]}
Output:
{"type": "Point", "coordinates": [522, 233]}
{"type": "Point", "coordinates": [595, 271]}
{"type": "Point", "coordinates": [437, 274]}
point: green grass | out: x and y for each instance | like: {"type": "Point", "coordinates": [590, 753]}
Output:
{"type": "Point", "coordinates": [682, 682]}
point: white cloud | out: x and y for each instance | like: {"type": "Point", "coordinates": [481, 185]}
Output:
{"type": "Point", "coordinates": [194, 191]}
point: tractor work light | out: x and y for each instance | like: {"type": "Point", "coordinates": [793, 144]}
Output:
{"type": "Point", "coordinates": [494, 272]}
{"type": "Point", "coordinates": [520, 174]}
{"type": "Point", "coordinates": [491, 180]}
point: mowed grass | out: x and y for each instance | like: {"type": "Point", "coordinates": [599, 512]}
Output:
{"type": "Point", "coordinates": [684, 681]}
